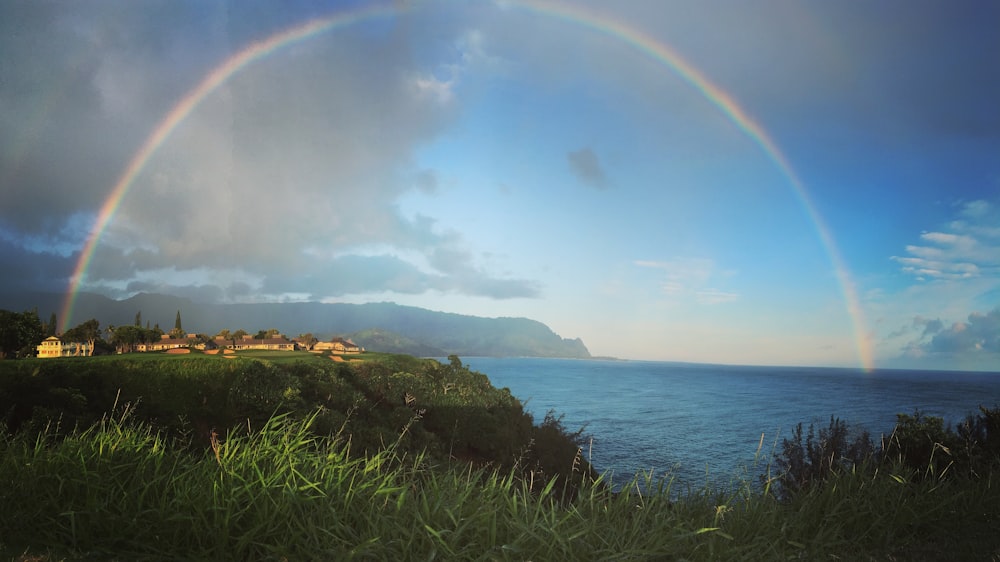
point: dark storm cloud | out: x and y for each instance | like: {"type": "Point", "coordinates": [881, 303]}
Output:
{"type": "Point", "coordinates": [30, 271]}
{"type": "Point", "coordinates": [498, 288]}
{"type": "Point", "coordinates": [80, 85]}
{"type": "Point", "coordinates": [197, 293]}
{"type": "Point", "coordinates": [939, 64]}
{"type": "Point", "coordinates": [586, 166]}
{"type": "Point", "coordinates": [932, 327]}
{"type": "Point", "coordinates": [899, 67]}
{"type": "Point", "coordinates": [298, 157]}
{"type": "Point", "coordinates": [354, 274]}
{"type": "Point", "coordinates": [980, 334]}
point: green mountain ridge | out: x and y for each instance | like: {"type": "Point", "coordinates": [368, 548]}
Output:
{"type": "Point", "coordinates": [415, 328]}
{"type": "Point", "coordinates": [385, 341]}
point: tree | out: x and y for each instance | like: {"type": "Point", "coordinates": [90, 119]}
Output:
{"type": "Point", "coordinates": [89, 331]}
{"type": "Point", "coordinates": [50, 328]}
{"type": "Point", "coordinates": [20, 333]}
{"type": "Point", "coordinates": [224, 334]}
{"type": "Point", "coordinates": [127, 338]}
{"type": "Point", "coordinates": [238, 334]}
{"type": "Point", "coordinates": [178, 331]}
{"type": "Point", "coordinates": [138, 319]}
{"type": "Point", "coordinates": [308, 339]}
{"type": "Point", "coordinates": [151, 336]}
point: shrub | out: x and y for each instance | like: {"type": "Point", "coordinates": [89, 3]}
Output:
{"type": "Point", "coordinates": [805, 464]}
{"type": "Point", "coordinates": [979, 438]}
{"type": "Point", "coordinates": [919, 446]}
{"type": "Point", "coordinates": [921, 442]}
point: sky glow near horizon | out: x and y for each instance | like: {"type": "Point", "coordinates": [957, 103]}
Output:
{"type": "Point", "coordinates": [827, 194]}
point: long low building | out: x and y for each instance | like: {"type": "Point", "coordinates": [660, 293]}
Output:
{"type": "Point", "coordinates": [338, 346]}
{"type": "Point", "coordinates": [166, 342]}
{"type": "Point", "coordinates": [249, 342]}
{"type": "Point", "coordinates": [245, 343]}
{"type": "Point", "coordinates": [54, 347]}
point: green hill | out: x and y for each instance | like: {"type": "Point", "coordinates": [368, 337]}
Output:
{"type": "Point", "coordinates": [450, 333]}
{"type": "Point", "coordinates": [385, 341]}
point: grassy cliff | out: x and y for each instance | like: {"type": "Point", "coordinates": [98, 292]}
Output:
{"type": "Point", "coordinates": [199, 457]}
{"type": "Point", "coordinates": [443, 410]}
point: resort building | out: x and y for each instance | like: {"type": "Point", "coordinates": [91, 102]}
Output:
{"type": "Point", "coordinates": [249, 342]}
{"type": "Point", "coordinates": [338, 346]}
{"type": "Point", "coordinates": [54, 347]}
{"type": "Point", "coordinates": [166, 342]}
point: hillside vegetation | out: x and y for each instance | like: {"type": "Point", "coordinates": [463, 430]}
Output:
{"type": "Point", "coordinates": [160, 457]}
{"type": "Point", "coordinates": [388, 342]}
{"type": "Point", "coordinates": [443, 410]}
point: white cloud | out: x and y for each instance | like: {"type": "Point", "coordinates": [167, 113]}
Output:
{"type": "Point", "coordinates": [440, 91]}
{"type": "Point", "coordinates": [971, 247]}
{"type": "Point", "coordinates": [977, 209]}
{"type": "Point", "coordinates": [715, 296]}
{"type": "Point", "coordinates": [691, 279]}
{"type": "Point", "coordinates": [956, 268]}
{"type": "Point", "coordinates": [945, 238]}
{"type": "Point", "coordinates": [974, 343]}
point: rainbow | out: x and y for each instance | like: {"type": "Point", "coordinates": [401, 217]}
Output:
{"type": "Point", "coordinates": [667, 56]}
{"type": "Point", "coordinates": [592, 20]}
{"type": "Point", "coordinates": [218, 76]}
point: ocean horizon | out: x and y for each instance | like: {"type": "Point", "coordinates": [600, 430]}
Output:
{"type": "Point", "coordinates": [704, 423]}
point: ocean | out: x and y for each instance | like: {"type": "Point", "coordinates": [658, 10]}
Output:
{"type": "Point", "coordinates": [703, 423]}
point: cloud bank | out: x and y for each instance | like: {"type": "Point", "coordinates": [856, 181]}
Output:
{"type": "Point", "coordinates": [970, 248]}
{"type": "Point", "coordinates": [281, 181]}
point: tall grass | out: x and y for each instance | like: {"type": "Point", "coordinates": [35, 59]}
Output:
{"type": "Point", "coordinates": [121, 490]}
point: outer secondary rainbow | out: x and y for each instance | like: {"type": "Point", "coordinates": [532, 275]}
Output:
{"type": "Point", "coordinates": [595, 21]}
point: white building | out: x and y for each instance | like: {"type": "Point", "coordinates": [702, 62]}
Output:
{"type": "Point", "coordinates": [54, 347]}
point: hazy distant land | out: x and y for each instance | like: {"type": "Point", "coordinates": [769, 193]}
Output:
{"type": "Point", "coordinates": [376, 326]}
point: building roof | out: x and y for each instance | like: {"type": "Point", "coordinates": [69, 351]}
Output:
{"type": "Point", "coordinates": [172, 341]}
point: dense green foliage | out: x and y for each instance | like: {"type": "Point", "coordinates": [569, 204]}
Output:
{"type": "Point", "coordinates": [20, 333]}
{"type": "Point", "coordinates": [390, 342]}
{"type": "Point", "coordinates": [921, 444]}
{"type": "Point", "coordinates": [297, 457]}
{"type": "Point", "coordinates": [122, 490]}
{"type": "Point", "coordinates": [447, 410]}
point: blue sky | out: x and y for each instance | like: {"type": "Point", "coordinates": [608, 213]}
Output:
{"type": "Point", "coordinates": [505, 159]}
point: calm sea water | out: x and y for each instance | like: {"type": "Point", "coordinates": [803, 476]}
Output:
{"type": "Point", "coordinates": [701, 422]}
